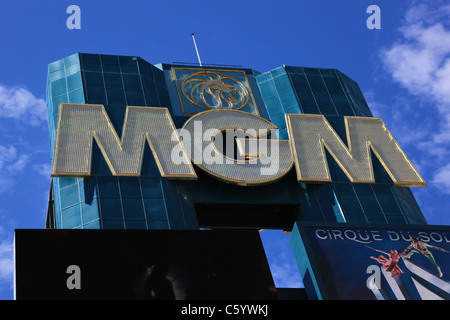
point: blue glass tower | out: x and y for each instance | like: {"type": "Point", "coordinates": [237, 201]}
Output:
{"type": "Point", "coordinates": [104, 201]}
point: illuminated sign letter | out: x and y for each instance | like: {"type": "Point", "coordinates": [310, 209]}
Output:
{"type": "Point", "coordinates": [257, 160]}
{"type": "Point", "coordinates": [311, 134]}
{"type": "Point", "coordinates": [80, 124]}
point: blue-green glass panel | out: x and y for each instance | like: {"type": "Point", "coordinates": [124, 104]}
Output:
{"type": "Point", "coordinates": [57, 65]}
{"type": "Point", "coordinates": [70, 70]}
{"type": "Point", "coordinates": [323, 99]}
{"type": "Point", "coordinates": [135, 98]}
{"type": "Point", "coordinates": [151, 187]}
{"type": "Point", "coordinates": [343, 188]}
{"type": "Point", "coordinates": [90, 58]}
{"type": "Point", "coordinates": [71, 60]}
{"type": "Point", "coordinates": [345, 111]}
{"type": "Point", "coordinates": [89, 211]}
{"type": "Point", "coordinates": [300, 83]}
{"type": "Point", "coordinates": [76, 96]}
{"type": "Point", "coordinates": [129, 69]}
{"type": "Point", "coordinates": [133, 209]}
{"type": "Point", "coordinates": [278, 119]}
{"type": "Point", "coordinates": [130, 187]}
{"type": "Point", "coordinates": [66, 181]}
{"type": "Point", "coordinates": [126, 60]}
{"type": "Point", "coordinates": [310, 108]}
{"type": "Point", "coordinates": [116, 97]}
{"type": "Point", "coordinates": [111, 68]}
{"type": "Point", "coordinates": [113, 224]}
{"type": "Point", "coordinates": [117, 116]}
{"type": "Point", "coordinates": [69, 195]}
{"type": "Point", "coordinates": [108, 186]}
{"type": "Point", "coordinates": [147, 69]}
{"type": "Point", "coordinates": [132, 82]}
{"type": "Point", "coordinates": [273, 105]}
{"type": "Point", "coordinates": [158, 225]}
{"type": "Point", "coordinates": [111, 209]}
{"type": "Point", "coordinates": [135, 224]}
{"type": "Point", "coordinates": [92, 225]}
{"type": "Point", "coordinates": [311, 71]}
{"type": "Point", "coordinates": [362, 188]}
{"type": "Point", "coordinates": [109, 59]}
{"type": "Point", "coordinates": [350, 204]}
{"type": "Point", "coordinates": [59, 87]}
{"type": "Point", "coordinates": [293, 109]}
{"type": "Point", "coordinates": [96, 95]}
{"type": "Point", "coordinates": [74, 81]}
{"type": "Point", "coordinates": [113, 81]}
{"type": "Point", "coordinates": [336, 173]}
{"type": "Point", "coordinates": [92, 67]}
{"type": "Point", "coordinates": [306, 98]}
{"type": "Point", "coordinates": [57, 101]}
{"type": "Point", "coordinates": [163, 94]}
{"type": "Point", "coordinates": [56, 75]}
{"type": "Point", "coordinates": [71, 217]}
{"type": "Point", "coordinates": [267, 89]}
{"type": "Point", "coordinates": [339, 99]}
{"type": "Point", "coordinates": [370, 204]}
{"type": "Point", "coordinates": [282, 84]}
{"type": "Point", "coordinates": [327, 110]}
{"type": "Point", "coordinates": [395, 219]}
{"type": "Point", "coordinates": [379, 188]}
{"type": "Point", "coordinates": [88, 189]}
{"type": "Point", "coordinates": [263, 77]}
{"type": "Point", "coordinates": [355, 218]}
{"type": "Point", "coordinates": [94, 80]}
{"type": "Point", "coordinates": [278, 72]}
{"type": "Point", "coordinates": [389, 204]}
{"type": "Point", "coordinates": [333, 84]}
{"type": "Point", "coordinates": [155, 209]}
{"type": "Point", "coordinates": [295, 70]}
{"type": "Point", "coordinates": [327, 73]}
{"type": "Point", "coordinates": [316, 84]}
{"type": "Point", "coordinates": [289, 100]}
{"type": "Point", "coordinates": [381, 219]}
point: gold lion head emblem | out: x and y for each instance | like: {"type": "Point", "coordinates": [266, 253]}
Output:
{"type": "Point", "coordinates": [214, 90]}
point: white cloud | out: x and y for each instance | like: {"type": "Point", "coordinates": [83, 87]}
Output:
{"type": "Point", "coordinates": [20, 104]}
{"type": "Point", "coordinates": [10, 160]}
{"type": "Point", "coordinates": [6, 262]}
{"type": "Point", "coordinates": [285, 275]}
{"type": "Point", "coordinates": [43, 169]}
{"type": "Point", "coordinates": [419, 61]}
{"type": "Point", "coordinates": [284, 269]}
{"type": "Point", "coordinates": [442, 178]}
{"type": "Point", "coordinates": [11, 163]}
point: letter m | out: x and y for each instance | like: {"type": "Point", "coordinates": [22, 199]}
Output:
{"type": "Point", "coordinates": [310, 135]}
{"type": "Point", "coordinates": [80, 124]}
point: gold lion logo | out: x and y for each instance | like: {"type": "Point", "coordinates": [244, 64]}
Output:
{"type": "Point", "coordinates": [214, 90]}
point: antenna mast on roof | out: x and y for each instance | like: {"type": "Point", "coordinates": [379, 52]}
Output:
{"type": "Point", "coordinates": [198, 56]}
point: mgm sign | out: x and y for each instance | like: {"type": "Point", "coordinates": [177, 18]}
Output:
{"type": "Point", "coordinates": [232, 145]}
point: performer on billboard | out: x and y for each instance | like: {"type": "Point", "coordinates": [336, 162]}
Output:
{"type": "Point", "coordinates": [421, 247]}
{"type": "Point", "coordinates": [391, 263]}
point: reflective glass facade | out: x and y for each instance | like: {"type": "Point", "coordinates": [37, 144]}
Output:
{"type": "Point", "coordinates": [151, 202]}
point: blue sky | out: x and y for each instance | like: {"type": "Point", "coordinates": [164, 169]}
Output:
{"type": "Point", "coordinates": [403, 70]}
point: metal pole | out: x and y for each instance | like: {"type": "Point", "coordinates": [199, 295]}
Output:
{"type": "Point", "coordinates": [198, 56]}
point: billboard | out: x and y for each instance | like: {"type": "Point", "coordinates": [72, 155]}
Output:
{"type": "Point", "coordinates": [141, 265]}
{"type": "Point", "coordinates": [373, 262]}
